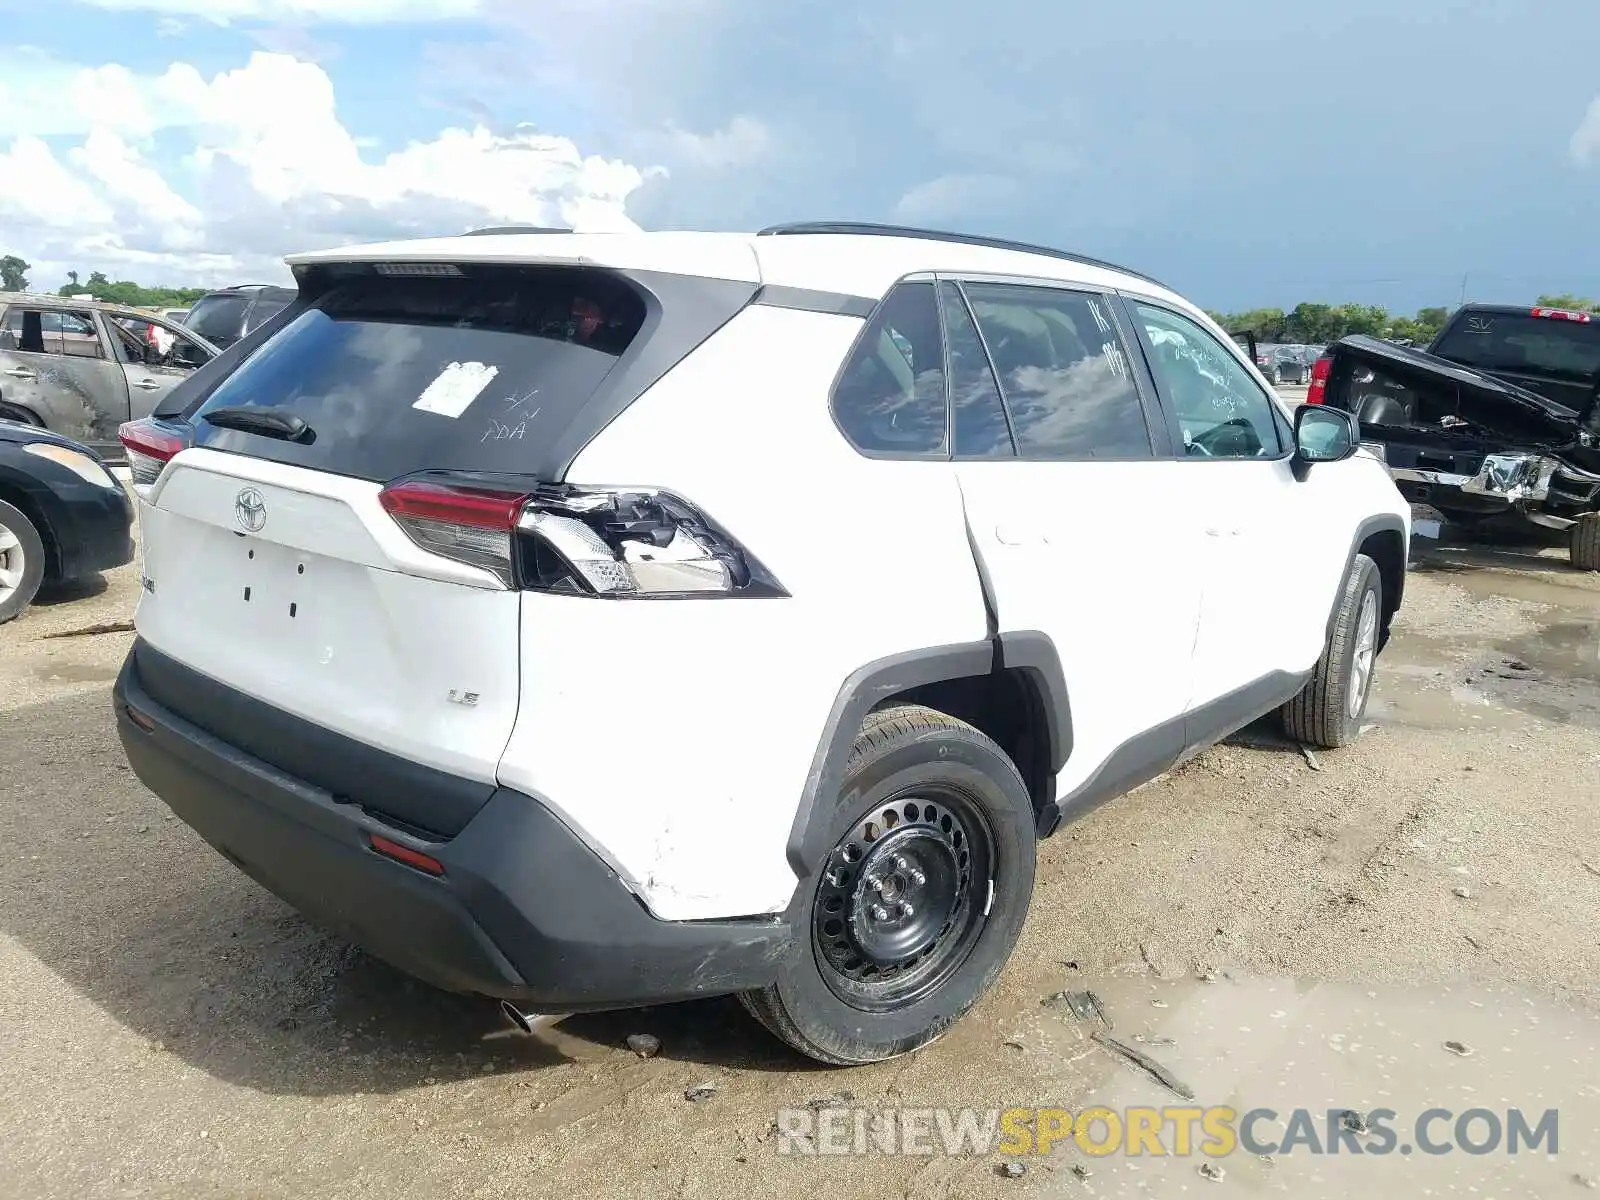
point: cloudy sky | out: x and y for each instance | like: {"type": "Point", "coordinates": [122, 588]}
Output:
{"type": "Point", "coordinates": [1247, 152]}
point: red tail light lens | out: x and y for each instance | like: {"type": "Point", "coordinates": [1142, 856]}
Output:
{"type": "Point", "coordinates": [149, 447]}
{"type": "Point", "coordinates": [1317, 389]}
{"type": "Point", "coordinates": [469, 525]}
{"type": "Point", "coordinates": [1563, 314]}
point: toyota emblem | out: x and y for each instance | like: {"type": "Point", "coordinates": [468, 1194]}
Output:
{"type": "Point", "coordinates": [250, 510]}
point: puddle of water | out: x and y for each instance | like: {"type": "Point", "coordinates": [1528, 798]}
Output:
{"type": "Point", "coordinates": [1569, 648]}
{"type": "Point", "coordinates": [1283, 1045]}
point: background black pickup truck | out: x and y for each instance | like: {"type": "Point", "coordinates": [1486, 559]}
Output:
{"type": "Point", "coordinates": [1497, 417]}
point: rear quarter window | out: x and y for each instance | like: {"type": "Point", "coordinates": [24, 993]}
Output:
{"type": "Point", "coordinates": [267, 305]}
{"type": "Point", "coordinates": [890, 397]}
{"type": "Point", "coordinates": [399, 375]}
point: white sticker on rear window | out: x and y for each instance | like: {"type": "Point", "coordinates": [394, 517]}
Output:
{"type": "Point", "coordinates": [455, 388]}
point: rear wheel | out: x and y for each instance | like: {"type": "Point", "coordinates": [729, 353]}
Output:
{"type": "Point", "coordinates": [21, 562]}
{"type": "Point", "coordinates": [916, 908]}
{"type": "Point", "coordinates": [10, 412]}
{"type": "Point", "coordinates": [1328, 712]}
{"type": "Point", "coordinates": [1584, 546]}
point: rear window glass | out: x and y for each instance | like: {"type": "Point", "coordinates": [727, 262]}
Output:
{"type": "Point", "coordinates": [218, 319]}
{"type": "Point", "coordinates": [398, 374]}
{"type": "Point", "coordinates": [1515, 343]}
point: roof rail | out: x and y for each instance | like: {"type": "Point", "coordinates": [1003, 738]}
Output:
{"type": "Point", "coordinates": [869, 229]}
{"type": "Point", "coordinates": [493, 230]}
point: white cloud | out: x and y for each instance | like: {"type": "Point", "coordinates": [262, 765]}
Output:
{"type": "Point", "coordinates": [742, 141]}
{"type": "Point", "coordinates": [34, 181]}
{"type": "Point", "coordinates": [950, 197]}
{"type": "Point", "coordinates": [1586, 138]}
{"type": "Point", "coordinates": [349, 12]}
{"type": "Point", "coordinates": [269, 169]}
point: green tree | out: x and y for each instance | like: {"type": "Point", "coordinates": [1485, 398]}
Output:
{"type": "Point", "coordinates": [1575, 303]}
{"type": "Point", "coordinates": [14, 274]}
{"type": "Point", "coordinates": [1310, 322]}
{"type": "Point", "coordinates": [70, 286]}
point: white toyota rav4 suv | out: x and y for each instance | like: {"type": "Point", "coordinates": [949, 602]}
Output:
{"type": "Point", "coordinates": [587, 621]}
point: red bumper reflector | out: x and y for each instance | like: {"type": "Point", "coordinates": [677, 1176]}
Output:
{"type": "Point", "coordinates": [405, 854]}
{"type": "Point", "coordinates": [139, 719]}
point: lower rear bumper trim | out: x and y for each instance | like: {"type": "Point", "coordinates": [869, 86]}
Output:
{"type": "Point", "coordinates": [525, 911]}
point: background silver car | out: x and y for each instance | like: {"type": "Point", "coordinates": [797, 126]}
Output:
{"type": "Point", "coordinates": [80, 369]}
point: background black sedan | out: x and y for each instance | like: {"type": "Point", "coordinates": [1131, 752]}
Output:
{"type": "Point", "coordinates": [63, 515]}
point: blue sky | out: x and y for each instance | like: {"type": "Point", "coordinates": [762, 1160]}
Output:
{"type": "Point", "coordinates": [1247, 153]}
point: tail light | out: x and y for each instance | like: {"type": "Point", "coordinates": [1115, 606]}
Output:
{"type": "Point", "coordinates": [1317, 389]}
{"type": "Point", "coordinates": [1563, 314]}
{"type": "Point", "coordinates": [620, 543]}
{"type": "Point", "coordinates": [469, 525]}
{"type": "Point", "coordinates": [149, 446]}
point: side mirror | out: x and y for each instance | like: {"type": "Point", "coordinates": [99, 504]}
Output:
{"type": "Point", "coordinates": [1322, 435]}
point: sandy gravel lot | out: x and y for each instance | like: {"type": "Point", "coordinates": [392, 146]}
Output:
{"type": "Point", "coordinates": [169, 1029]}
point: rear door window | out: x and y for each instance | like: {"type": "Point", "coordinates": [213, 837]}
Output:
{"type": "Point", "coordinates": [49, 331]}
{"type": "Point", "coordinates": [395, 375]}
{"type": "Point", "coordinates": [978, 414]}
{"type": "Point", "coordinates": [1063, 371]}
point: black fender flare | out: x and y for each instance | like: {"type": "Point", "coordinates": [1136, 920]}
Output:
{"type": "Point", "coordinates": [1385, 523]}
{"type": "Point", "coordinates": [1029, 652]}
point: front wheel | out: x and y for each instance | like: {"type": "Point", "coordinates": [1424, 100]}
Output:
{"type": "Point", "coordinates": [21, 562]}
{"type": "Point", "coordinates": [1328, 712]}
{"type": "Point", "coordinates": [916, 909]}
{"type": "Point", "coordinates": [1584, 546]}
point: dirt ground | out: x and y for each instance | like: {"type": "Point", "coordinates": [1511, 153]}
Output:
{"type": "Point", "coordinates": [1305, 934]}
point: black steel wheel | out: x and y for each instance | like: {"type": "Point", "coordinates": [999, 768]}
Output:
{"type": "Point", "coordinates": [915, 910]}
{"type": "Point", "coordinates": [897, 909]}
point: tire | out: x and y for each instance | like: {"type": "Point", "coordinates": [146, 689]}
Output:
{"type": "Point", "coordinates": [1327, 713]}
{"type": "Point", "coordinates": [937, 814]}
{"type": "Point", "coordinates": [21, 416]}
{"type": "Point", "coordinates": [1584, 546]}
{"type": "Point", "coordinates": [21, 562]}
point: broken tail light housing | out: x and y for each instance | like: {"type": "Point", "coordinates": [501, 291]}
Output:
{"type": "Point", "coordinates": [616, 543]}
{"type": "Point", "coordinates": [149, 446]}
{"type": "Point", "coordinates": [1317, 388]}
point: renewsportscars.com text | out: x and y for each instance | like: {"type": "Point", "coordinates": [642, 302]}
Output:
{"type": "Point", "coordinates": [1159, 1132]}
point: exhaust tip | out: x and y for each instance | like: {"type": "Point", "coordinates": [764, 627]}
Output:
{"type": "Point", "coordinates": [519, 1020]}
{"type": "Point", "coordinates": [527, 1022]}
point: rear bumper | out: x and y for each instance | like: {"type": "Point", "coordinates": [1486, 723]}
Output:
{"type": "Point", "coordinates": [525, 911]}
{"type": "Point", "coordinates": [99, 533]}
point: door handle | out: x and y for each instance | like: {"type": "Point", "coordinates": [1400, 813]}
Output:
{"type": "Point", "coordinates": [147, 385]}
{"type": "Point", "coordinates": [20, 373]}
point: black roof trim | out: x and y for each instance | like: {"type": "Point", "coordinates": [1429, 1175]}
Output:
{"type": "Point", "coordinates": [870, 229]}
{"type": "Point", "coordinates": [496, 230]}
